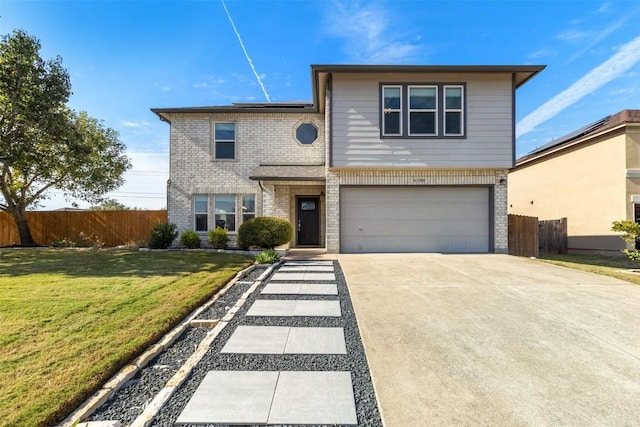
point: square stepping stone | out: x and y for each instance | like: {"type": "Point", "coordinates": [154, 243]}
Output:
{"type": "Point", "coordinates": [303, 276]}
{"type": "Point", "coordinates": [257, 340]}
{"type": "Point", "coordinates": [299, 289]}
{"type": "Point", "coordinates": [231, 397]}
{"type": "Point", "coordinates": [279, 308]}
{"type": "Point", "coordinates": [307, 268]}
{"type": "Point", "coordinates": [313, 398]}
{"type": "Point", "coordinates": [305, 340]}
{"type": "Point", "coordinates": [309, 262]}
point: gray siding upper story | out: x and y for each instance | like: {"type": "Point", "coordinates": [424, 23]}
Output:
{"type": "Point", "coordinates": [355, 116]}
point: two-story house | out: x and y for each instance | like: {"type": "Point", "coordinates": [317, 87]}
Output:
{"type": "Point", "coordinates": [385, 158]}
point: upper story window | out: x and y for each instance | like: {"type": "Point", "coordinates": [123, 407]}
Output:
{"type": "Point", "coordinates": [422, 110]}
{"type": "Point", "coordinates": [306, 133]}
{"type": "Point", "coordinates": [224, 136]}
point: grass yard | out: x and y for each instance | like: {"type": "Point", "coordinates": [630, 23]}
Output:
{"type": "Point", "coordinates": [607, 265]}
{"type": "Point", "coordinates": [70, 319]}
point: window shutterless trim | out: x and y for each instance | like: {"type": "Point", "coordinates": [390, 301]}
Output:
{"type": "Point", "coordinates": [223, 141]}
{"type": "Point", "coordinates": [410, 110]}
{"type": "Point", "coordinates": [446, 110]}
{"type": "Point", "coordinates": [440, 119]}
{"type": "Point", "coordinates": [384, 110]}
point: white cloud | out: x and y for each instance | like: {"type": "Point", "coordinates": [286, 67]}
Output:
{"type": "Point", "coordinates": [626, 57]}
{"type": "Point", "coordinates": [545, 52]}
{"type": "Point", "coordinates": [130, 124]}
{"type": "Point", "coordinates": [572, 35]}
{"type": "Point", "coordinates": [366, 30]}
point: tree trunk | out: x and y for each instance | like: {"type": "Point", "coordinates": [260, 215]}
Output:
{"type": "Point", "coordinates": [20, 216]}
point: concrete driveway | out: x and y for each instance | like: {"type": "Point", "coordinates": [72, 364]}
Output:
{"type": "Point", "coordinates": [496, 340]}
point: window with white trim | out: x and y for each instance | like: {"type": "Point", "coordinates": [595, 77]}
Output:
{"type": "Point", "coordinates": [201, 211]}
{"type": "Point", "coordinates": [453, 111]}
{"type": "Point", "coordinates": [422, 110]}
{"type": "Point", "coordinates": [224, 206]}
{"type": "Point", "coordinates": [224, 140]}
{"type": "Point", "coordinates": [392, 110]}
{"type": "Point", "coordinates": [248, 207]}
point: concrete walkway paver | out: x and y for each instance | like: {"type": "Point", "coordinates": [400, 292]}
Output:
{"type": "Point", "coordinates": [279, 308]}
{"type": "Point", "coordinates": [285, 340]}
{"type": "Point", "coordinates": [285, 397]}
{"type": "Point", "coordinates": [496, 340]}
{"type": "Point", "coordinates": [299, 289]}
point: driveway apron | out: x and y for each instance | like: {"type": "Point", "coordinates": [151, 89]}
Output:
{"type": "Point", "coordinates": [496, 340]}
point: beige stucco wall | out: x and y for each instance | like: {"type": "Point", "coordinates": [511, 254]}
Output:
{"type": "Point", "coordinates": [585, 184]}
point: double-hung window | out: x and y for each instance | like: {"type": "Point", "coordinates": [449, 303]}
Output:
{"type": "Point", "coordinates": [201, 210]}
{"type": "Point", "coordinates": [225, 211]}
{"type": "Point", "coordinates": [392, 110]}
{"type": "Point", "coordinates": [224, 136]}
{"type": "Point", "coordinates": [248, 207]}
{"type": "Point", "coordinates": [422, 110]}
{"type": "Point", "coordinates": [453, 111]}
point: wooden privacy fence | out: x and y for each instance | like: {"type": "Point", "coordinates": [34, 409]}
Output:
{"type": "Point", "coordinates": [553, 236]}
{"type": "Point", "coordinates": [523, 235]}
{"type": "Point", "coordinates": [114, 228]}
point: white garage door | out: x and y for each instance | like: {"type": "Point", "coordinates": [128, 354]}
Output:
{"type": "Point", "coordinates": [415, 219]}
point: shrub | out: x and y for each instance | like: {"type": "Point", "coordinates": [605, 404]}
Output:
{"type": "Point", "coordinates": [264, 232]}
{"type": "Point", "coordinates": [162, 235]}
{"type": "Point", "coordinates": [268, 256]}
{"type": "Point", "coordinates": [219, 238]}
{"type": "Point", "coordinates": [631, 230]}
{"type": "Point", "coordinates": [190, 239]}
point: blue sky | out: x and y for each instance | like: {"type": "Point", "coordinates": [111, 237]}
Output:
{"type": "Point", "coordinates": [125, 57]}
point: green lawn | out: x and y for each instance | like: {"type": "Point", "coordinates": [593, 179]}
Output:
{"type": "Point", "coordinates": [607, 265]}
{"type": "Point", "coordinates": [70, 319]}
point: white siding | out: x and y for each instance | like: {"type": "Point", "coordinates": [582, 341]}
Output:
{"type": "Point", "coordinates": [489, 124]}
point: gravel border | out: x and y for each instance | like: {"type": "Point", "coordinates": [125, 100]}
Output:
{"type": "Point", "coordinates": [129, 402]}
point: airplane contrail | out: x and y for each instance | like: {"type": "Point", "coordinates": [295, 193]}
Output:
{"type": "Point", "coordinates": [626, 57]}
{"type": "Point", "coordinates": [246, 54]}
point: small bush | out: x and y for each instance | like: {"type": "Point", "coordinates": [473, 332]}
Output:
{"type": "Point", "coordinates": [268, 256]}
{"type": "Point", "coordinates": [264, 232]}
{"type": "Point", "coordinates": [162, 235]}
{"type": "Point", "coordinates": [190, 239]}
{"type": "Point", "coordinates": [219, 238]}
{"type": "Point", "coordinates": [631, 230]}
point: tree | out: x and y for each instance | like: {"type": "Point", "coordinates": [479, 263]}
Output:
{"type": "Point", "coordinates": [44, 144]}
{"type": "Point", "coordinates": [110, 205]}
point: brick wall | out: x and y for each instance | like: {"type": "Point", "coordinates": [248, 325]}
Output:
{"type": "Point", "coordinates": [260, 139]}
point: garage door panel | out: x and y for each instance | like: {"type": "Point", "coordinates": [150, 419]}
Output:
{"type": "Point", "coordinates": [416, 219]}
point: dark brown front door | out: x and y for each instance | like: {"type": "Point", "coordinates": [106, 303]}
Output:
{"type": "Point", "coordinates": [308, 221]}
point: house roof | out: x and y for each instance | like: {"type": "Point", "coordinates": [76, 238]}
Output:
{"type": "Point", "coordinates": [583, 134]}
{"type": "Point", "coordinates": [310, 172]}
{"type": "Point", "coordinates": [320, 74]}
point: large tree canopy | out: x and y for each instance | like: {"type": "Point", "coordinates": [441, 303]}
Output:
{"type": "Point", "coordinates": [43, 144]}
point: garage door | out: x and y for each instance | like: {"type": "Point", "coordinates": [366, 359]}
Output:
{"type": "Point", "coordinates": [415, 219]}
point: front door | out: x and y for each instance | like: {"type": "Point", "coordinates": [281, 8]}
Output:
{"type": "Point", "coordinates": [308, 221]}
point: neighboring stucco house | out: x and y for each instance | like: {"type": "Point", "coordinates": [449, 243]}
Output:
{"type": "Point", "coordinates": [591, 177]}
{"type": "Point", "coordinates": [385, 159]}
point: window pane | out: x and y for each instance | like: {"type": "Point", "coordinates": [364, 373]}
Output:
{"type": "Point", "coordinates": [225, 208]}
{"type": "Point", "coordinates": [200, 204]}
{"type": "Point", "coordinates": [226, 131]}
{"type": "Point", "coordinates": [247, 217]}
{"type": "Point", "coordinates": [392, 123]}
{"type": "Point", "coordinates": [453, 123]}
{"type": "Point", "coordinates": [422, 97]}
{"type": "Point", "coordinates": [422, 123]}
{"type": "Point", "coordinates": [248, 203]}
{"type": "Point", "coordinates": [225, 150]}
{"type": "Point", "coordinates": [201, 222]}
{"type": "Point", "coordinates": [392, 98]}
{"type": "Point", "coordinates": [453, 96]}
